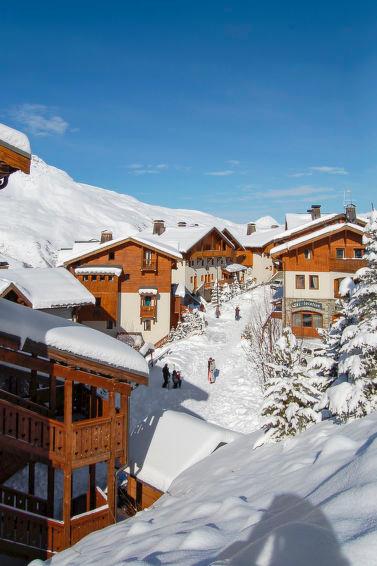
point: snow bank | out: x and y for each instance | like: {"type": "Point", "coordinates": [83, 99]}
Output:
{"type": "Point", "coordinates": [47, 288]}
{"type": "Point", "coordinates": [68, 336]}
{"type": "Point", "coordinates": [14, 139]}
{"type": "Point", "coordinates": [162, 448]}
{"type": "Point", "coordinates": [306, 501]}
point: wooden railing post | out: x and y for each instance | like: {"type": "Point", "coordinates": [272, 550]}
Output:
{"type": "Point", "coordinates": [67, 491]}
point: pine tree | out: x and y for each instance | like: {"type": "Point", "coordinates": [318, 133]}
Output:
{"type": "Point", "coordinates": [236, 289]}
{"type": "Point", "coordinates": [216, 294]}
{"type": "Point", "coordinates": [354, 394]}
{"type": "Point", "coordinates": [290, 392]}
{"type": "Point", "coordinates": [226, 293]}
{"type": "Point", "coordinates": [192, 323]}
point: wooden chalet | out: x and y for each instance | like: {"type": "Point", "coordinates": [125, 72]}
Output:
{"type": "Point", "coordinates": [15, 153]}
{"type": "Point", "coordinates": [52, 418]}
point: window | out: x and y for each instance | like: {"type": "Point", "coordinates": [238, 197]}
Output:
{"type": "Point", "coordinates": [307, 320]}
{"type": "Point", "coordinates": [98, 301]}
{"type": "Point", "coordinates": [313, 282]}
{"type": "Point", "coordinates": [191, 279]}
{"type": "Point", "coordinates": [102, 278]}
{"type": "Point", "coordinates": [337, 283]}
{"type": "Point", "coordinates": [358, 253]}
{"type": "Point", "coordinates": [85, 278]}
{"type": "Point", "coordinates": [111, 255]}
{"type": "Point", "coordinates": [296, 319]}
{"type": "Point", "coordinates": [109, 324]}
{"type": "Point", "coordinates": [300, 281]}
{"type": "Point", "coordinates": [339, 253]}
{"type": "Point", "coordinates": [111, 277]}
{"type": "Point", "coordinates": [202, 278]}
{"type": "Point", "coordinates": [94, 277]}
{"type": "Point", "coordinates": [147, 325]}
{"type": "Point", "coordinates": [147, 257]}
{"type": "Point", "coordinates": [307, 253]}
{"type": "Point", "coordinates": [212, 277]}
{"type": "Point", "coordinates": [147, 301]}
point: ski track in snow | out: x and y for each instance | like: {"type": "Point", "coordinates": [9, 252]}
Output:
{"type": "Point", "coordinates": [234, 400]}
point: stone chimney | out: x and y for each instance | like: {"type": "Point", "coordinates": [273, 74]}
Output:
{"type": "Point", "coordinates": [106, 236]}
{"type": "Point", "coordinates": [158, 227]}
{"type": "Point", "coordinates": [315, 211]}
{"type": "Point", "coordinates": [351, 213]}
{"type": "Point", "coordinates": [182, 224]}
{"type": "Point", "coordinates": [251, 227]}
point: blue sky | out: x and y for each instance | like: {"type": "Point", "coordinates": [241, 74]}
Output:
{"type": "Point", "coordinates": [238, 108]}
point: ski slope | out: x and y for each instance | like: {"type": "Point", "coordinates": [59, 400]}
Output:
{"type": "Point", "coordinates": [234, 400]}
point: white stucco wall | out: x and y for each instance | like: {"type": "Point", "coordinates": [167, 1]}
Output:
{"type": "Point", "coordinates": [129, 316]}
{"type": "Point", "coordinates": [262, 267]}
{"type": "Point", "coordinates": [200, 268]}
{"type": "Point", "coordinates": [326, 285]}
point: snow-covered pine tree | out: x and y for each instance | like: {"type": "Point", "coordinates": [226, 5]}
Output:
{"type": "Point", "coordinates": [226, 294]}
{"type": "Point", "coordinates": [236, 289]}
{"type": "Point", "coordinates": [192, 323]}
{"type": "Point", "coordinates": [354, 394]}
{"type": "Point", "coordinates": [290, 392]}
{"type": "Point", "coordinates": [216, 294]}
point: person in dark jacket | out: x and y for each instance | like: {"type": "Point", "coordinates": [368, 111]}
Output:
{"type": "Point", "coordinates": [174, 379]}
{"type": "Point", "coordinates": [166, 375]}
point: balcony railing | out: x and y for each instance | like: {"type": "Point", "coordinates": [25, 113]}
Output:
{"type": "Point", "coordinates": [150, 265]}
{"type": "Point", "coordinates": [148, 311]}
{"type": "Point", "coordinates": [346, 265]}
{"type": "Point", "coordinates": [210, 253]}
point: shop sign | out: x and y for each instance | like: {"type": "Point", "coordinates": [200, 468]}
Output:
{"type": "Point", "coordinates": [307, 305]}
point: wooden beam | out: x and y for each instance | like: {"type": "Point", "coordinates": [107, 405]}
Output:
{"type": "Point", "coordinates": [15, 159]}
{"type": "Point", "coordinates": [25, 360]}
{"type": "Point", "coordinates": [67, 487]}
{"type": "Point", "coordinates": [111, 462]}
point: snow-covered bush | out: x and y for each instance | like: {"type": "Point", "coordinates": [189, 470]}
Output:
{"type": "Point", "coordinates": [354, 392]}
{"type": "Point", "coordinates": [192, 323]}
{"type": "Point", "coordinates": [226, 293]}
{"type": "Point", "coordinates": [290, 391]}
{"type": "Point", "coordinates": [235, 288]}
{"type": "Point", "coordinates": [216, 294]}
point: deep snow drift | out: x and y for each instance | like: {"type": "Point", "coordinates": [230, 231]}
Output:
{"type": "Point", "coordinates": [48, 210]}
{"type": "Point", "coordinates": [306, 501]}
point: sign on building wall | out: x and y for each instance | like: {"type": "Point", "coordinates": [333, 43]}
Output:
{"type": "Point", "coordinates": [307, 304]}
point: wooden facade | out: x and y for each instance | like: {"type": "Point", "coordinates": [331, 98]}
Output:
{"type": "Point", "coordinates": [141, 495]}
{"type": "Point", "coordinates": [51, 413]}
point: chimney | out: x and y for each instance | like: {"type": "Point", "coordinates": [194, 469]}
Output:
{"type": "Point", "coordinates": [274, 226]}
{"type": "Point", "coordinates": [4, 264]}
{"type": "Point", "coordinates": [182, 224]}
{"type": "Point", "coordinates": [315, 211]}
{"type": "Point", "coordinates": [251, 228]}
{"type": "Point", "coordinates": [106, 236]}
{"type": "Point", "coordinates": [351, 213]}
{"type": "Point", "coordinates": [158, 227]}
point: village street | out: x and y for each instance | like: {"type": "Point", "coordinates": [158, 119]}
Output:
{"type": "Point", "coordinates": [234, 400]}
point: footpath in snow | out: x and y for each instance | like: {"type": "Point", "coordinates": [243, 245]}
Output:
{"type": "Point", "coordinates": [234, 400]}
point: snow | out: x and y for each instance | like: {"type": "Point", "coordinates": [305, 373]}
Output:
{"type": "Point", "coordinates": [234, 268]}
{"type": "Point", "coordinates": [234, 401]}
{"type": "Point", "coordinates": [14, 139]}
{"type": "Point", "coordinates": [47, 288]}
{"type": "Point", "coordinates": [105, 270]}
{"type": "Point", "coordinates": [260, 238]}
{"type": "Point", "coordinates": [4, 285]}
{"type": "Point", "coordinates": [161, 449]}
{"type": "Point", "coordinates": [184, 238]}
{"type": "Point", "coordinates": [346, 286]}
{"type": "Point", "coordinates": [179, 290]}
{"type": "Point", "coordinates": [318, 233]}
{"type": "Point", "coordinates": [64, 211]}
{"type": "Point", "coordinates": [299, 221]}
{"type": "Point", "coordinates": [146, 349]}
{"type": "Point", "coordinates": [68, 336]}
{"type": "Point", "coordinates": [148, 291]}
{"type": "Point", "coordinates": [305, 501]}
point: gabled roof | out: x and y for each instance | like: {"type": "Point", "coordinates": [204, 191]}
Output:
{"type": "Point", "coordinates": [296, 219]}
{"type": "Point", "coordinates": [186, 237]}
{"type": "Point", "coordinates": [70, 337]}
{"type": "Point", "coordinates": [145, 241]}
{"type": "Point", "coordinates": [257, 239]}
{"type": "Point", "coordinates": [324, 218]}
{"type": "Point", "coordinates": [46, 287]}
{"type": "Point", "coordinates": [332, 229]}
{"type": "Point", "coordinates": [14, 140]}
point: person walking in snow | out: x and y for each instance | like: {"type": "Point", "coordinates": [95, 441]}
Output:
{"type": "Point", "coordinates": [217, 311]}
{"type": "Point", "coordinates": [237, 313]}
{"type": "Point", "coordinates": [166, 376]}
{"type": "Point", "coordinates": [174, 379]}
{"type": "Point", "coordinates": [211, 370]}
{"type": "Point", "coordinates": [179, 378]}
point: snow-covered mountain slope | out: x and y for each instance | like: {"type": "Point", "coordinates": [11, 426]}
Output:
{"type": "Point", "coordinates": [47, 210]}
{"type": "Point", "coordinates": [306, 501]}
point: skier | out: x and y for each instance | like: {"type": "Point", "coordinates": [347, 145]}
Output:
{"type": "Point", "coordinates": [217, 311]}
{"type": "Point", "coordinates": [211, 370]}
{"type": "Point", "coordinates": [237, 313]}
{"type": "Point", "coordinates": [166, 375]}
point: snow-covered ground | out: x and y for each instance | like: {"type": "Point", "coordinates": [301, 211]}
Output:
{"type": "Point", "coordinates": [233, 401]}
{"type": "Point", "coordinates": [308, 501]}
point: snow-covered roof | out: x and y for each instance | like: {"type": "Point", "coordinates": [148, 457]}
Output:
{"type": "Point", "coordinates": [86, 249]}
{"type": "Point", "coordinates": [178, 441]}
{"type": "Point", "coordinates": [179, 290]}
{"type": "Point", "coordinates": [99, 270]}
{"type": "Point", "coordinates": [184, 238]}
{"type": "Point", "coordinates": [15, 140]}
{"type": "Point", "coordinates": [48, 287]}
{"type": "Point", "coordinates": [296, 219]}
{"type": "Point", "coordinates": [4, 285]}
{"type": "Point", "coordinates": [258, 239]}
{"type": "Point", "coordinates": [68, 336]}
{"type": "Point", "coordinates": [234, 268]}
{"type": "Point", "coordinates": [148, 291]}
{"type": "Point", "coordinates": [146, 348]}
{"type": "Point", "coordinates": [316, 234]}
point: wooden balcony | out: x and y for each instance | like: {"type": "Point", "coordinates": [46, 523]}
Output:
{"type": "Point", "coordinates": [148, 311]}
{"type": "Point", "coordinates": [149, 265]}
{"type": "Point", "coordinates": [210, 253]}
{"type": "Point", "coordinates": [23, 501]}
{"type": "Point", "coordinates": [46, 438]}
{"type": "Point", "coordinates": [346, 265]}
